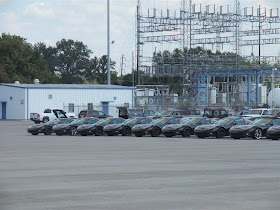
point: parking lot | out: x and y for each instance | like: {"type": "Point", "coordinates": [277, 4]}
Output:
{"type": "Point", "coordinates": [75, 172]}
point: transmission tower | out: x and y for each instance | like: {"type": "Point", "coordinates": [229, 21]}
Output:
{"type": "Point", "coordinates": [209, 27]}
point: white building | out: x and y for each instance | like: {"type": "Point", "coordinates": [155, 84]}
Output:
{"type": "Point", "coordinates": [17, 101]}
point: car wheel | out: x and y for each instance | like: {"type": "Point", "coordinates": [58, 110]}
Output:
{"type": "Point", "coordinates": [126, 131]}
{"type": "Point", "coordinates": [98, 131]}
{"type": "Point", "coordinates": [220, 133]}
{"type": "Point", "coordinates": [156, 132]}
{"type": "Point", "coordinates": [186, 132]}
{"type": "Point", "coordinates": [257, 134]}
{"type": "Point", "coordinates": [45, 120]}
{"type": "Point", "coordinates": [48, 131]}
{"type": "Point", "coordinates": [73, 131]}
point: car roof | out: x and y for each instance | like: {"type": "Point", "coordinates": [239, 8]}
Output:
{"type": "Point", "coordinates": [260, 109]}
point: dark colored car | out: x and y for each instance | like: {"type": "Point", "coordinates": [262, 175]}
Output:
{"type": "Point", "coordinates": [125, 127]}
{"type": "Point", "coordinates": [46, 128]}
{"type": "Point", "coordinates": [256, 130]}
{"type": "Point", "coordinates": [97, 128]}
{"type": "Point", "coordinates": [71, 128]}
{"type": "Point", "coordinates": [219, 129]}
{"type": "Point", "coordinates": [154, 128]}
{"type": "Point", "coordinates": [215, 113]}
{"type": "Point", "coordinates": [273, 132]}
{"type": "Point", "coordinates": [178, 113]}
{"type": "Point", "coordinates": [185, 128]}
{"type": "Point", "coordinates": [92, 113]}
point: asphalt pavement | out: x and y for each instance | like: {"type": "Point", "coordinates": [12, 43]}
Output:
{"type": "Point", "coordinates": [75, 172]}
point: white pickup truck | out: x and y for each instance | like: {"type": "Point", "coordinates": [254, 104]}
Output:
{"type": "Point", "coordinates": [50, 114]}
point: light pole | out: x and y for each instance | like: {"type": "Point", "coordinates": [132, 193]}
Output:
{"type": "Point", "coordinates": [108, 44]}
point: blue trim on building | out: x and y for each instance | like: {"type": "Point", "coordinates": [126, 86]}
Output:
{"type": "Point", "coordinates": [4, 110]}
{"type": "Point", "coordinates": [107, 101]}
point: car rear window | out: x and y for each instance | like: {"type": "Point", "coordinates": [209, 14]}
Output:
{"type": "Point", "coordinates": [91, 113]}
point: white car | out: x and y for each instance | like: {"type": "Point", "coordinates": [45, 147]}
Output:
{"type": "Point", "coordinates": [257, 112]}
{"type": "Point", "coordinates": [50, 114]}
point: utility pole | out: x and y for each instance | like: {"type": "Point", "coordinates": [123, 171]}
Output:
{"type": "Point", "coordinates": [108, 44]}
{"type": "Point", "coordinates": [132, 69]}
{"type": "Point", "coordinates": [259, 34]}
{"type": "Point", "coordinates": [138, 41]}
{"type": "Point", "coordinates": [122, 64]}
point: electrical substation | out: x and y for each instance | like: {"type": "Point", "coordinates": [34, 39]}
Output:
{"type": "Point", "coordinates": [238, 73]}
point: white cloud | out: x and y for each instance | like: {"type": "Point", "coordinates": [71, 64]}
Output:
{"type": "Point", "coordinates": [3, 1]}
{"type": "Point", "coordinates": [86, 20]}
{"type": "Point", "coordinates": [40, 10]}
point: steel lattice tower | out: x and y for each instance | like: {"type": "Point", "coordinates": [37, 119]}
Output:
{"type": "Point", "coordinates": [214, 27]}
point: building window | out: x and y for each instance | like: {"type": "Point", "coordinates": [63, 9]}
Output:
{"type": "Point", "coordinates": [90, 106]}
{"type": "Point", "coordinates": [50, 96]}
{"type": "Point", "coordinates": [71, 107]}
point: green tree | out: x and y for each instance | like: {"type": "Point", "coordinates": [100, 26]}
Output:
{"type": "Point", "coordinates": [19, 61]}
{"type": "Point", "coordinates": [73, 59]}
{"type": "Point", "coordinates": [48, 54]}
{"type": "Point", "coordinates": [97, 71]}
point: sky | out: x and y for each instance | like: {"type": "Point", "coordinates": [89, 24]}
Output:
{"type": "Point", "coordinates": [50, 21]}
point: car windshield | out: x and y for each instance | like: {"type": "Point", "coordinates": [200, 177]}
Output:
{"type": "Point", "coordinates": [78, 121]}
{"type": "Point", "coordinates": [160, 121]}
{"type": "Point", "coordinates": [66, 121]}
{"type": "Point", "coordinates": [262, 121]}
{"type": "Point", "coordinates": [91, 121]}
{"type": "Point", "coordinates": [104, 121]}
{"type": "Point", "coordinates": [91, 112]}
{"type": "Point", "coordinates": [274, 112]}
{"type": "Point", "coordinates": [225, 121]}
{"type": "Point", "coordinates": [131, 120]}
{"type": "Point", "coordinates": [192, 121]}
{"type": "Point", "coordinates": [185, 119]}
{"type": "Point", "coordinates": [255, 111]}
{"type": "Point", "coordinates": [54, 121]}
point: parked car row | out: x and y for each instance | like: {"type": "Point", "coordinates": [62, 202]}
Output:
{"type": "Point", "coordinates": [235, 126]}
